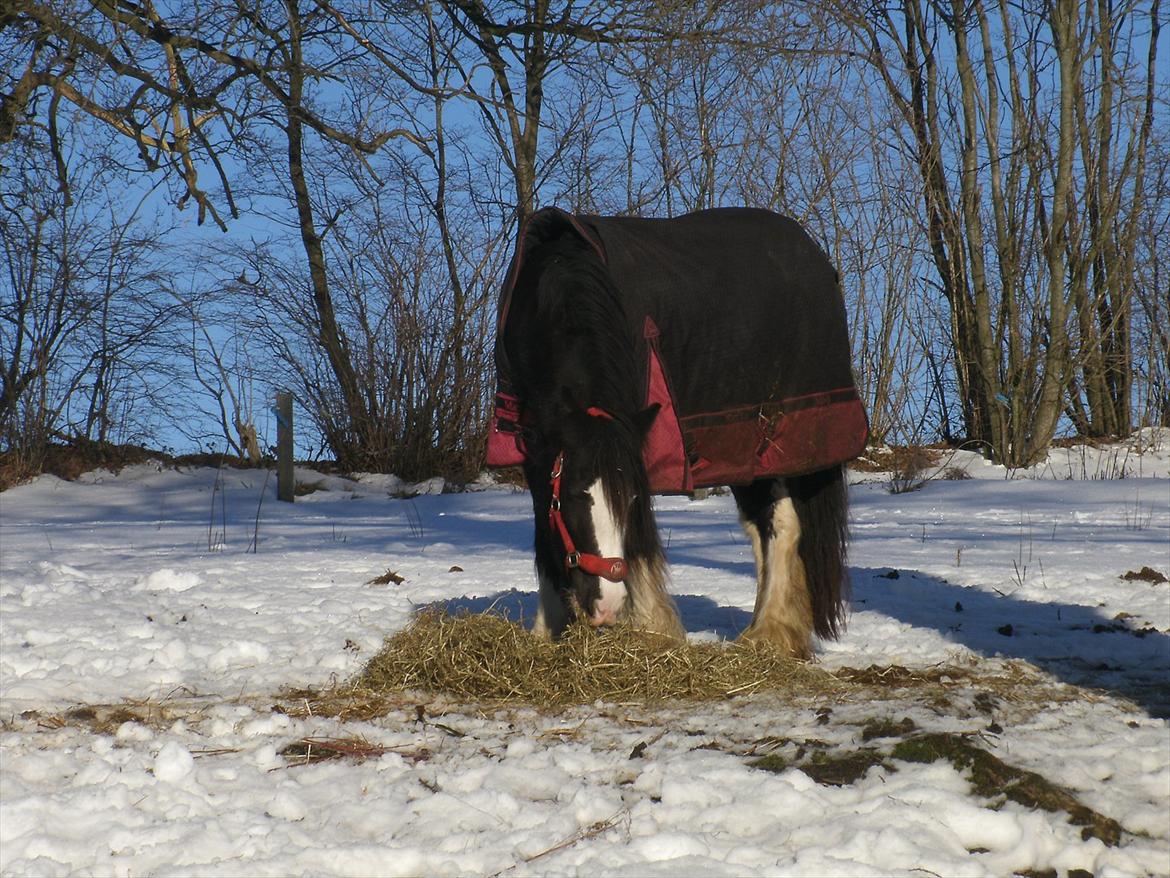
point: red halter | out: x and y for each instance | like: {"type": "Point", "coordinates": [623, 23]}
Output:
{"type": "Point", "coordinates": [613, 569]}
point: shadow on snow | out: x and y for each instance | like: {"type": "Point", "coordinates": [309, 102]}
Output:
{"type": "Point", "coordinates": [1073, 642]}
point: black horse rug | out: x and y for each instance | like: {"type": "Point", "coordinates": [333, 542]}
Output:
{"type": "Point", "coordinates": [740, 328]}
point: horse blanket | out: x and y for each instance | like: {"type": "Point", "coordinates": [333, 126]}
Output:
{"type": "Point", "coordinates": [740, 323]}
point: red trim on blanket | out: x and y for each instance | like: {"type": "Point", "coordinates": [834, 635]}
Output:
{"type": "Point", "coordinates": [505, 444]}
{"type": "Point", "coordinates": [812, 438]}
{"type": "Point", "coordinates": [792, 443]}
{"type": "Point", "coordinates": [662, 451]}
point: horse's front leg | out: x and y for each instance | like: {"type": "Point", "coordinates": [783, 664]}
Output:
{"type": "Point", "coordinates": [552, 612]}
{"type": "Point", "coordinates": [649, 606]}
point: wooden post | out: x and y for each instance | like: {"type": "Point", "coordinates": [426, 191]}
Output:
{"type": "Point", "coordinates": [285, 479]}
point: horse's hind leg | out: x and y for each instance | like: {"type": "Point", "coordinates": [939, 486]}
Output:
{"type": "Point", "coordinates": [783, 614]}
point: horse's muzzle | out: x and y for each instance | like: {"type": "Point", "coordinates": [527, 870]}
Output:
{"type": "Point", "coordinates": [602, 616]}
{"type": "Point", "coordinates": [608, 604]}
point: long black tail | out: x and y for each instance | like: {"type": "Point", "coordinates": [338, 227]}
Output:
{"type": "Point", "coordinates": [822, 506]}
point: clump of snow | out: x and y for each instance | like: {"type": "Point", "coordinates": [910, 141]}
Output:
{"type": "Point", "coordinates": [433, 485]}
{"type": "Point", "coordinates": [173, 763]}
{"type": "Point", "coordinates": [388, 484]}
{"type": "Point", "coordinates": [314, 481]}
{"type": "Point", "coordinates": [167, 579]}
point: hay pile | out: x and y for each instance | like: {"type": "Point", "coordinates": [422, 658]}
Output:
{"type": "Point", "coordinates": [487, 658]}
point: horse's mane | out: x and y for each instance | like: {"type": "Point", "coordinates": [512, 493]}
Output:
{"type": "Point", "coordinates": [570, 347]}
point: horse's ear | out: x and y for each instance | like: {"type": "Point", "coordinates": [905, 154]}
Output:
{"type": "Point", "coordinates": [644, 419]}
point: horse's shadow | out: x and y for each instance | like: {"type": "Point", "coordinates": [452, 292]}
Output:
{"type": "Point", "coordinates": [1074, 643]}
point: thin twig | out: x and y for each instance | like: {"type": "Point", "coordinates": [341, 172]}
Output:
{"type": "Point", "coordinates": [591, 831]}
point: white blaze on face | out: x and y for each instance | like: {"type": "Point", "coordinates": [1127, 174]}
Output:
{"type": "Point", "coordinates": [609, 545]}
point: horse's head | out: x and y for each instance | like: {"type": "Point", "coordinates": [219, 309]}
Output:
{"type": "Point", "coordinates": [600, 519]}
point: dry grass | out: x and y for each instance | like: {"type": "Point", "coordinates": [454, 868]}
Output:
{"type": "Point", "coordinates": [489, 662]}
{"type": "Point", "coordinates": [489, 659]}
{"type": "Point", "coordinates": [484, 662]}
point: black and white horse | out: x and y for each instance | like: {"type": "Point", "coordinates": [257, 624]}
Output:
{"type": "Point", "coordinates": [654, 356]}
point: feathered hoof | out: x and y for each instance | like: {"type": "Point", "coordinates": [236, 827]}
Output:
{"type": "Point", "coordinates": [675, 634]}
{"type": "Point", "coordinates": [665, 624]}
{"type": "Point", "coordinates": [791, 642]}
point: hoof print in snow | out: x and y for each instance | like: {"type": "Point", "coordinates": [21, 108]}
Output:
{"type": "Point", "coordinates": [889, 574]}
{"type": "Point", "coordinates": [455, 568]}
{"type": "Point", "coordinates": [1006, 630]}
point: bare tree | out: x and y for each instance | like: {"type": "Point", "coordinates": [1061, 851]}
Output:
{"type": "Point", "coordinates": [1151, 332]}
{"type": "Point", "coordinates": [1114, 113]}
{"type": "Point", "coordinates": [1007, 242]}
{"type": "Point", "coordinates": [83, 336]}
{"type": "Point", "coordinates": [196, 85]}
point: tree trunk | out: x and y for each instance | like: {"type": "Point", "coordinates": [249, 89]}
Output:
{"type": "Point", "coordinates": [1064, 20]}
{"type": "Point", "coordinates": [346, 440]}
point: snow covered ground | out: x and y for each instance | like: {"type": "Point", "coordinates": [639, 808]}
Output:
{"type": "Point", "coordinates": [144, 647]}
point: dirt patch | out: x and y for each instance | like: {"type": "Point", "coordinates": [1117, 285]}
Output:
{"type": "Point", "coordinates": [990, 777]}
{"type": "Point", "coordinates": [900, 458]}
{"type": "Point", "coordinates": [1146, 574]}
{"type": "Point", "coordinates": [899, 677]}
{"type": "Point", "coordinates": [390, 577]}
{"type": "Point", "coordinates": [994, 779]}
{"type": "Point", "coordinates": [311, 750]}
{"type": "Point", "coordinates": [106, 719]}
{"type": "Point", "coordinates": [836, 767]}
{"type": "Point", "coordinates": [887, 728]}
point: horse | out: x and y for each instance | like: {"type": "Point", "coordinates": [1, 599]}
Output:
{"type": "Point", "coordinates": [641, 356]}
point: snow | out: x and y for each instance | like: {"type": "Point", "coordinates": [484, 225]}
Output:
{"type": "Point", "coordinates": [195, 597]}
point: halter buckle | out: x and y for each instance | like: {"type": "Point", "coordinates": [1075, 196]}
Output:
{"type": "Point", "coordinates": [572, 559]}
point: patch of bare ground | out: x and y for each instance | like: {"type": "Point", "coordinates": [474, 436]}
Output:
{"type": "Point", "coordinates": [1146, 574]}
{"type": "Point", "coordinates": [991, 778]}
